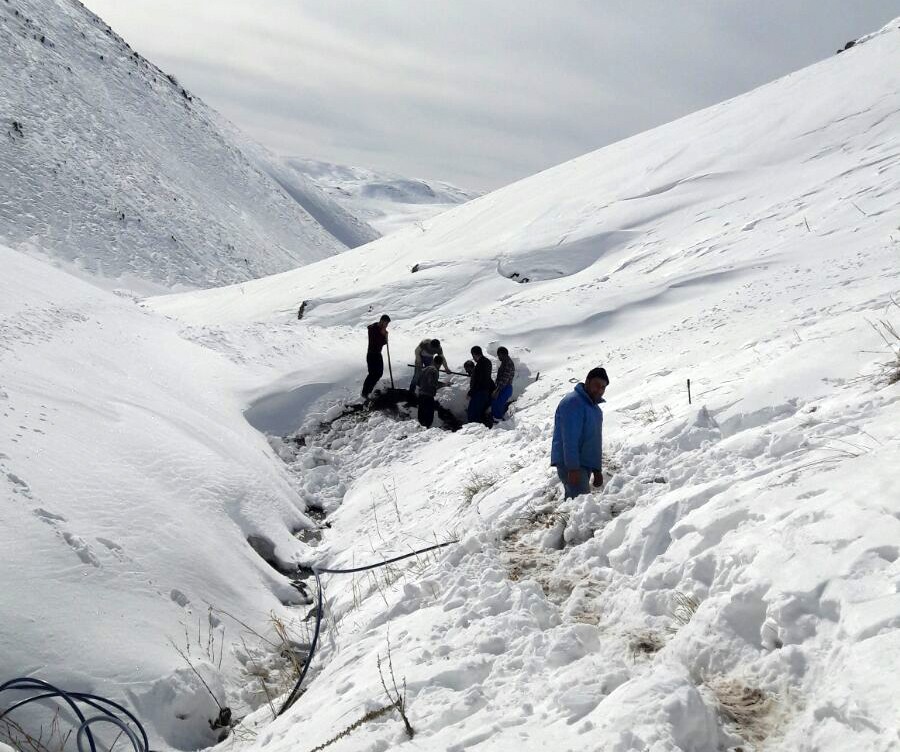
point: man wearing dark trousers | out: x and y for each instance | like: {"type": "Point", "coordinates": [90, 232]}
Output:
{"type": "Point", "coordinates": [480, 388]}
{"type": "Point", "coordinates": [378, 337]}
{"type": "Point", "coordinates": [503, 389]}
{"type": "Point", "coordinates": [577, 448]}
{"type": "Point", "coordinates": [428, 386]}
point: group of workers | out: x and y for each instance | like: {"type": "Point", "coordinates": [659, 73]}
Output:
{"type": "Point", "coordinates": [488, 398]}
{"type": "Point", "coordinates": [577, 447]}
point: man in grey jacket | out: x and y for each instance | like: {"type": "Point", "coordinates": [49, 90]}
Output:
{"type": "Point", "coordinates": [428, 386]}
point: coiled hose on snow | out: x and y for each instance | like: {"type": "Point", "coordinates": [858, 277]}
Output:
{"type": "Point", "coordinates": [110, 712]}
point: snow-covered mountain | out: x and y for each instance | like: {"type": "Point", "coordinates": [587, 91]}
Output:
{"type": "Point", "coordinates": [110, 165]}
{"type": "Point", "coordinates": [386, 201]}
{"type": "Point", "coordinates": [733, 586]}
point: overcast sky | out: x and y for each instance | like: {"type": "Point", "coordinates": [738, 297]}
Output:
{"type": "Point", "coordinates": [476, 92]}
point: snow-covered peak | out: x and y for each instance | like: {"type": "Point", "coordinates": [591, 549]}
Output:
{"type": "Point", "coordinates": [387, 201]}
{"type": "Point", "coordinates": [111, 166]}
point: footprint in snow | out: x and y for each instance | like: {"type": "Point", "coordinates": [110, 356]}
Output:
{"type": "Point", "coordinates": [19, 485]}
{"type": "Point", "coordinates": [81, 548]}
{"type": "Point", "coordinates": [114, 548]}
{"type": "Point", "coordinates": [47, 517]}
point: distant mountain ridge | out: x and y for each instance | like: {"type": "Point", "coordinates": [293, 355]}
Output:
{"type": "Point", "coordinates": [109, 164]}
{"type": "Point", "coordinates": [385, 200]}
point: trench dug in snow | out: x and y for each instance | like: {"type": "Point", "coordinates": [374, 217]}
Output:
{"type": "Point", "coordinates": [283, 413]}
{"type": "Point", "coordinates": [287, 416]}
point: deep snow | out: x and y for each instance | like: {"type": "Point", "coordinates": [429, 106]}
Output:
{"type": "Point", "coordinates": [109, 166]}
{"type": "Point", "coordinates": [736, 583]}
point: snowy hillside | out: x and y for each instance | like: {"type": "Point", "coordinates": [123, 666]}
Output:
{"type": "Point", "coordinates": [735, 585]}
{"type": "Point", "coordinates": [129, 489]}
{"type": "Point", "coordinates": [737, 579]}
{"type": "Point", "coordinates": [386, 201]}
{"type": "Point", "coordinates": [108, 164]}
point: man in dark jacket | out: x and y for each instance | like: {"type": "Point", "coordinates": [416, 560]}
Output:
{"type": "Point", "coordinates": [378, 337]}
{"type": "Point", "coordinates": [428, 386]}
{"type": "Point", "coordinates": [502, 393]}
{"type": "Point", "coordinates": [577, 449]}
{"type": "Point", "coordinates": [480, 388]}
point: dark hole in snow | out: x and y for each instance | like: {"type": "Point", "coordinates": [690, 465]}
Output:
{"type": "Point", "coordinates": [312, 511]}
{"type": "Point", "coordinates": [266, 550]}
{"type": "Point", "coordinates": [309, 536]}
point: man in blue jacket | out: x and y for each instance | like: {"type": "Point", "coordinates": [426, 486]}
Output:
{"type": "Point", "coordinates": [577, 449]}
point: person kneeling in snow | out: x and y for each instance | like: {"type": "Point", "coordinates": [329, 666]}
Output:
{"type": "Point", "coordinates": [506, 372]}
{"type": "Point", "coordinates": [428, 386]}
{"type": "Point", "coordinates": [577, 449]}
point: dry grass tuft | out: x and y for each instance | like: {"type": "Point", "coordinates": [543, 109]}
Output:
{"type": "Point", "coordinates": [890, 369]}
{"type": "Point", "coordinates": [49, 739]}
{"type": "Point", "coordinates": [645, 643]}
{"type": "Point", "coordinates": [683, 610]}
{"type": "Point", "coordinates": [475, 484]}
{"type": "Point", "coordinates": [748, 709]}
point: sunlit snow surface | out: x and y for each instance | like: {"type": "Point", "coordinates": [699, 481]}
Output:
{"type": "Point", "coordinates": [747, 247]}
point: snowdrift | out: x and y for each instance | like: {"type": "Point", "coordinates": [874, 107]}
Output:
{"type": "Point", "coordinates": [130, 485]}
{"type": "Point", "coordinates": [112, 167]}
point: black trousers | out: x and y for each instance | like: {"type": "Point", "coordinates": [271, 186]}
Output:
{"type": "Point", "coordinates": [376, 368]}
{"type": "Point", "coordinates": [426, 410]}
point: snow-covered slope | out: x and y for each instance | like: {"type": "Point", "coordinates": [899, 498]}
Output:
{"type": "Point", "coordinates": [129, 486]}
{"type": "Point", "coordinates": [736, 580]}
{"type": "Point", "coordinates": [109, 164]}
{"type": "Point", "coordinates": [386, 201]}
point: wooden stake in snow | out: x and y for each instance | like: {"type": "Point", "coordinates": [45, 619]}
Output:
{"type": "Point", "coordinates": [390, 369]}
{"type": "Point", "coordinates": [689, 391]}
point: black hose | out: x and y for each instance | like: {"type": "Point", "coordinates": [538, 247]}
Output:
{"type": "Point", "coordinates": [380, 563]}
{"type": "Point", "coordinates": [30, 684]}
{"type": "Point", "coordinates": [95, 701]}
{"type": "Point", "coordinates": [292, 697]}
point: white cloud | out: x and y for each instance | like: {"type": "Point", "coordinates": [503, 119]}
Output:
{"type": "Point", "coordinates": [474, 91]}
